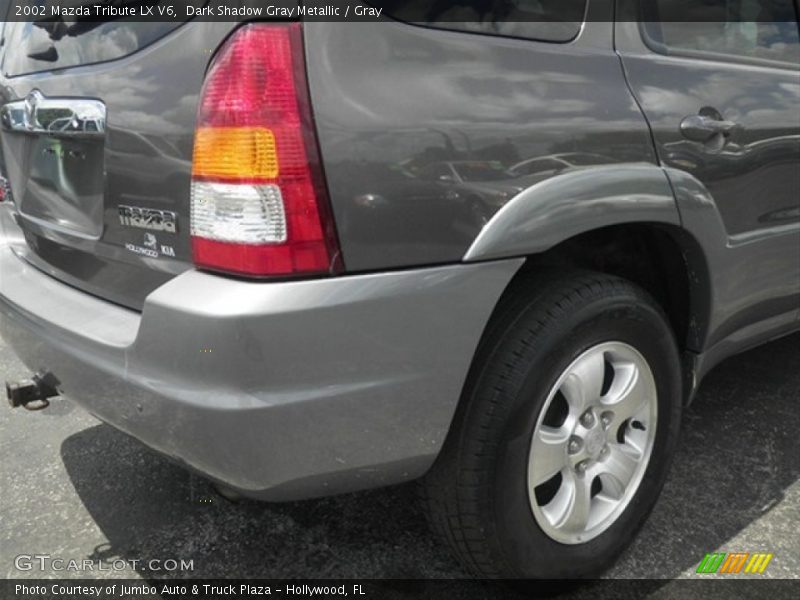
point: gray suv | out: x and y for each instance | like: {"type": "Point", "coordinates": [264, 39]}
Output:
{"type": "Point", "coordinates": [493, 251]}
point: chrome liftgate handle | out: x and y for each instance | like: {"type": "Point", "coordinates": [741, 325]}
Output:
{"type": "Point", "coordinates": [83, 118]}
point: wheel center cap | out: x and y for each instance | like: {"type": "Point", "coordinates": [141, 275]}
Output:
{"type": "Point", "coordinates": [595, 440]}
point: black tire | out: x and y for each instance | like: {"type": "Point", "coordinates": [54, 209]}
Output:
{"type": "Point", "coordinates": [476, 494]}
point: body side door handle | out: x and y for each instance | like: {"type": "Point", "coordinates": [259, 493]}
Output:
{"type": "Point", "coordinates": [702, 128]}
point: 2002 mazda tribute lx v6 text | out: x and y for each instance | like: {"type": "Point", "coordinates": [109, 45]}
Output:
{"type": "Point", "coordinates": [495, 254]}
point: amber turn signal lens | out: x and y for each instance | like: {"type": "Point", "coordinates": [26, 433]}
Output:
{"type": "Point", "coordinates": [235, 153]}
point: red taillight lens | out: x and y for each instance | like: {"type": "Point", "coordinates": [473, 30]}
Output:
{"type": "Point", "coordinates": [258, 203]}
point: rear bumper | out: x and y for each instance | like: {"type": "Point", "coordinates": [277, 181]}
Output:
{"type": "Point", "coordinates": [279, 390]}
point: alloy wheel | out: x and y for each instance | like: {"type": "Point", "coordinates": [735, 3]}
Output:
{"type": "Point", "coordinates": [592, 442]}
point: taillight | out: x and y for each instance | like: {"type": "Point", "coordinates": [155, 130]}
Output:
{"type": "Point", "coordinates": [259, 205]}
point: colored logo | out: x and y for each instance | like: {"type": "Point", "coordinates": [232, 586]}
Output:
{"type": "Point", "coordinates": [734, 562]}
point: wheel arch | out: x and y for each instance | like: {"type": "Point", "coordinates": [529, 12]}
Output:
{"type": "Point", "coordinates": [665, 260]}
{"type": "Point", "coordinates": [575, 202]}
{"type": "Point", "coordinates": [621, 220]}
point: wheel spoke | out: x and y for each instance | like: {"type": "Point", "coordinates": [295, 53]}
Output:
{"type": "Point", "coordinates": [628, 394]}
{"type": "Point", "coordinates": [548, 454]}
{"type": "Point", "coordinates": [618, 470]}
{"type": "Point", "coordinates": [584, 382]}
{"type": "Point", "coordinates": [576, 513]}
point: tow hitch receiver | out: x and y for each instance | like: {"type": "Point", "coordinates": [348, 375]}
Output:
{"type": "Point", "coordinates": [32, 393]}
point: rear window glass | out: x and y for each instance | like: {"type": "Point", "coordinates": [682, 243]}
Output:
{"type": "Point", "coordinates": [46, 45]}
{"type": "Point", "coordinates": [544, 20]}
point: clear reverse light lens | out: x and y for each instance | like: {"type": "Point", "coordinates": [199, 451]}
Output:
{"type": "Point", "coordinates": [240, 213]}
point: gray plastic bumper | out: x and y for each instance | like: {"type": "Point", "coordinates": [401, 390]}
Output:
{"type": "Point", "coordinates": [280, 390]}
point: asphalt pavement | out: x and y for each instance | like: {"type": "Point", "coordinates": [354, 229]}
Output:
{"type": "Point", "coordinates": [75, 488]}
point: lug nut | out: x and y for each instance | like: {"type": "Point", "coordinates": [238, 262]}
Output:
{"type": "Point", "coordinates": [574, 445]}
{"type": "Point", "coordinates": [587, 419]}
{"type": "Point", "coordinates": [606, 418]}
{"type": "Point", "coordinates": [580, 468]}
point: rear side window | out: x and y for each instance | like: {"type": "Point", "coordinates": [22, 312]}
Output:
{"type": "Point", "coordinates": [46, 45]}
{"type": "Point", "coordinates": [544, 20]}
{"type": "Point", "coordinates": [764, 30]}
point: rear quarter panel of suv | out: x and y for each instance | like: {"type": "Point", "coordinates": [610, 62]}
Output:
{"type": "Point", "coordinates": [393, 100]}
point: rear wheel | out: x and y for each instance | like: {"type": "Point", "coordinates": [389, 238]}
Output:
{"type": "Point", "coordinates": [563, 438]}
